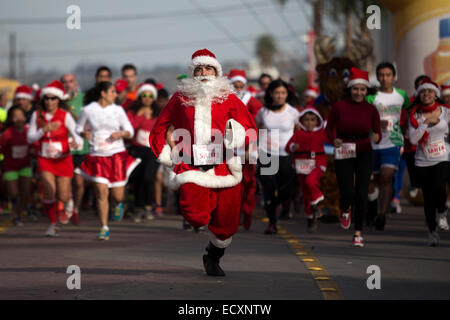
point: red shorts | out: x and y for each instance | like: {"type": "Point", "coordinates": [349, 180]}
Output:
{"type": "Point", "coordinates": [62, 167]}
{"type": "Point", "coordinates": [113, 170]}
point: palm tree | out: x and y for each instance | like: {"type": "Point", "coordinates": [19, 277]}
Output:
{"type": "Point", "coordinates": [266, 49]}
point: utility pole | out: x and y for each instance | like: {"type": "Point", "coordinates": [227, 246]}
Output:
{"type": "Point", "coordinates": [22, 73]}
{"type": "Point", "coordinates": [12, 55]}
{"type": "Point", "coordinates": [318, 9]}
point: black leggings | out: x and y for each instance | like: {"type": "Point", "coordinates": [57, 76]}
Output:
{"type": "Point", "coordinates": [433, 182]}
{"type": "Point", "coordinates": [353, 177]}
{"type": "Point", "coordinates": [282, 182]}
{"type": "Point", "coordinates": [144, 176]}
{"type": "Point", "coordinates": [409, 158]}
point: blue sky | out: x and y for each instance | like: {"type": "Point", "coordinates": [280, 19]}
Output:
{"type": "Point", "coordinates": [173, 30]}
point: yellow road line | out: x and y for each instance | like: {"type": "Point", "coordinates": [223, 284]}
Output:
{"type": "Point", "coordinates": [327, 286]}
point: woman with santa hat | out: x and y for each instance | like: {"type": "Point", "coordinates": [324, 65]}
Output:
{"type": "Point", "coordinates": [143, 114]}
{"type": "Point", "coordinates": [49, 129]}
{"type": "Point", "coordinates": [429, 129]}
{"type": "Point", "coordinates": [105, 125]}
{"type": "Point", "coordinates": [209, 122]}
{"type": "Point", "coordinates": [349, 128]}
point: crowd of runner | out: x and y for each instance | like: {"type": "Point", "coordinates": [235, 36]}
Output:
{"type": "Point", "coordinates": [66, 153]}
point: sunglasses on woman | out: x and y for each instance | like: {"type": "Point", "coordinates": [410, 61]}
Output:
{"type": "Point", "coordinates": [147, 95]}
{"type": "Point", "coordinates": [50, 98]}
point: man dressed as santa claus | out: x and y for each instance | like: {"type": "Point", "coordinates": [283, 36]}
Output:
{"type": "Point", "coordinates": [208, 122]}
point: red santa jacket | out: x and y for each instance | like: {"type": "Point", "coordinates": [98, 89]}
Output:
{"type": "Point", "coordinates": [311, 142]}
{"type": "Point", "coordinates": [253, 104]}
{"type": "Point", "coordinates": [202, 118]}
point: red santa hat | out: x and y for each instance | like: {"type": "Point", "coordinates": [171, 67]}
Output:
{"type": "Point", "coordinates": [311, 109]}
{"type": "Point", "coordinates": [311, 91]}
{"type": "Point", "coordinates": [238, 75]}
{"type": "Point", "coordinates": [55, 88]}
{"type": "Point", "coordinates": [23, 92]}
{"type": "Point", "coordinates": [253, 91]}
{"type": "Point", "coordinates": [428, 84]}
{"type": "Point", "coordinates": [120, 85]}
{"type": "Point", "coordinates": [147, 87]}
{"type": "Point", "coordinates": [204, 57]}
{"type": "Point", "coordinates": [358, 77]}
{"type": "Point", "coordinates": [445, 90]}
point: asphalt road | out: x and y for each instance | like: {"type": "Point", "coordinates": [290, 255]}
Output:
{"type": "Point", "coordinates": [159, 260]}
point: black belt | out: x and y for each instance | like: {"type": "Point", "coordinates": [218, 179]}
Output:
{"type": "Point", "coordinates": [353, 136]}
{"type": "Point", "coordinates": [205, 167]}
{"type": "Point", "coordinates": [311, 154]}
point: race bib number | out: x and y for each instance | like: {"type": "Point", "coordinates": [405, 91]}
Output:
{"type": "Point", "coordinates": [52, 150]}
{"type": "Point", "coordinates": [142, 138]}
{"type": "Point", "coordinates": [435, 149]}
{"type": "Point", "coordinates": [19, 152]}
{"type": "Point", "coordinates": [207, 154]}
{"type": "Point", "coordinates": [78, 148]}
{"type": "Point", "coordinates": [304, 166]}
{"type": "Point", "coordinates": [102, 143]}
{"type": "Point", "coordinates": [346, 151]}
{"type": "Point", "coordinates": [390, 123]}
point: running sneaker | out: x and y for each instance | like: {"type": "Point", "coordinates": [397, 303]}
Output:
{"type": "Point", "coordinates": [395, 204]}
{"type": "Point", "coordinates": [159, 211]}
{"type": "Point", "coordinates": [62, 217]}
{"type": "Point", "coordinates": [68, 208]}
{"type": "Point", "coordinates": [358, 241]}
{"type": "Point", "coordinates": [137, 216]}
{"type": "Point", "coordinates": [32, 215]}
{"type": "Point", "coordinates": [149, 215]}
{"type": "Point", "coordinates": [186, 225]}
{"type": "Point", "coordinates": [442, 221]}
{"type": "Point", "coordinates": [346, 219]}
{"type": "Point", "coordinates": [118, 212]}
{"type": "Point", "coordinates": [200, 229]}
{"type": "Point", "coordinates": [18, 222]}
{"type": "Point", "coordinates": [413, 192]}
{"type": "Point", "coordinates": [312, 226]}
{"type": "Point", "coordinates": [103, 234]}
{"type": "Point", "coordinates": [271, 229]}
{"type": "Point", "coordinates": [433, 239]}
{"type": "Point", "coordinates": [52, 231]}
{"type": "Point", "coordinates": [75, 219]}
{"type": "Point", "coordinates": [380, 222]}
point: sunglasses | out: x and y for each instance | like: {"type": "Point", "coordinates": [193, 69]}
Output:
{"type": "Point", "coordinates": [147, 95]}
{"type": "Point", "coordinates": [50, 98]}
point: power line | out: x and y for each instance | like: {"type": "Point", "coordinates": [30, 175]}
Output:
{"type": "Point", "coordinates": [155, 47]}
{"type": "Point", "coordinates": [117, 18]}
{"type": "Point", "coordinates": [255, 15]}
{"type": "Point", "coordinates": [219, 26]}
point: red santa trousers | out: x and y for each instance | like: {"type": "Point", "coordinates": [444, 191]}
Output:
{"type": "Point", "coordinates": [220, 207]}
{"type": "Point", "coordinates": [248, 189]}
{"type": "Point", "coordinates": [311, 189]}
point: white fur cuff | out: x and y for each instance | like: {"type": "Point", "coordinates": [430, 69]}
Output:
{"type": "Point", "coordinates": [219, 243]}
{"type": "Point", "coordinates": [234, 137]}
{"type": "Point", "coordinates": [165, 157]}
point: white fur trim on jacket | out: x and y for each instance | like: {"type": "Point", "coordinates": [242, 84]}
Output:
{"type": "Point", "coordinates": [219, 243]}
{"type": "Point", "coordinates": [202, 122]}
{"type": "Point", "coordinates": [165, 157]}
{"type": "Point", "coordinates": [209, 179]}
{"type": "Point", "coordinates": [234, 134]}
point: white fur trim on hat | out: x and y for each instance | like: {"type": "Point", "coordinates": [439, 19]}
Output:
{"type": "Point", "coordinates": [304, 111]}
{"type": "Point", "coordinates": [54, 91]}
{"type": "Point", "coordinates": [205, 61]}
{"type": "Point", "coordinates": [358, 81]}
{"type": "Point", "coordinates": [311, 93]}
{"type": "Point", "coordinates": [23, 95]}
{"type": "Point", "coordinates": [148, 87]}
{"type": "Point", "coordinates": [239, 78]}
{"type": "Point", "coordinates": [445, 92]}
{"type": "Point", "coordinates": [428, 86]}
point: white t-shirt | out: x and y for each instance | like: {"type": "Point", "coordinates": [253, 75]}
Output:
{"type": "Point", "coordinates": [389, 106]}
{"type": "Point", "coordinates": [102, 122]}
{"type": "Point", "coordinates": [438, 140]}
{"type": "Point", "coordinates": [284, 122]}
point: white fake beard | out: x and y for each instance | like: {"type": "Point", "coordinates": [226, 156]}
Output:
{"type": "Point", "coordinates": [215, 89]}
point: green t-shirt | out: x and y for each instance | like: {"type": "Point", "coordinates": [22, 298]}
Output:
{"type": "Point", "coordinates": [389, 106]}
{"type": "Point", "coordinates": [76, 104]}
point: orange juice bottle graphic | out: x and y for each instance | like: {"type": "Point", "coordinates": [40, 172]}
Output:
{"type": "Point", "coordinates": [437, 64]}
